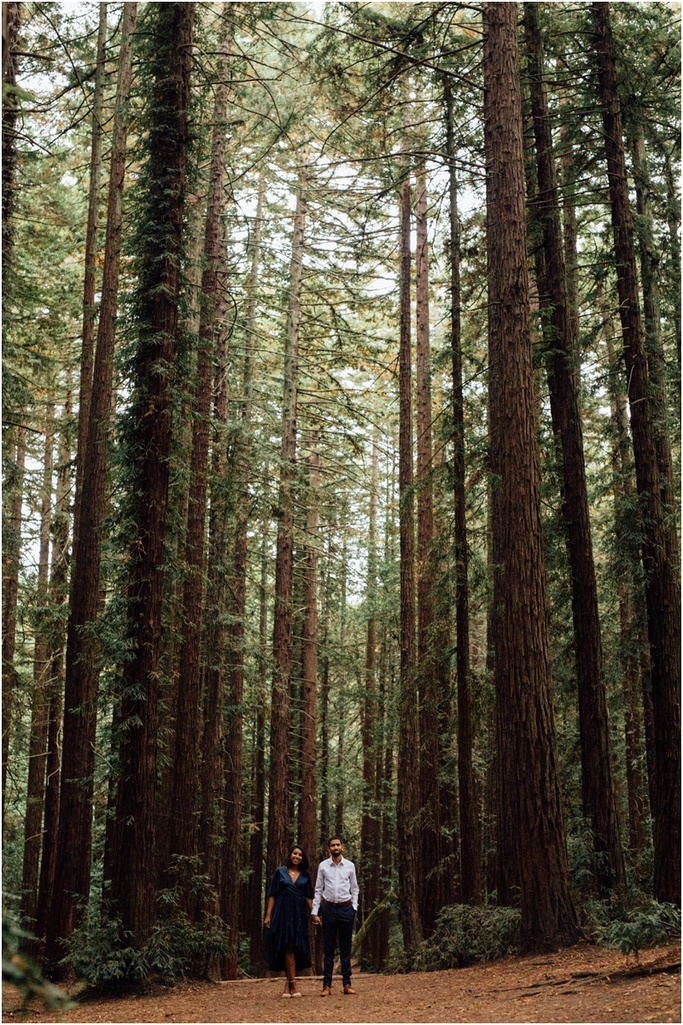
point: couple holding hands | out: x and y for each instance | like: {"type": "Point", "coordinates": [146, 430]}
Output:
{"type": "Point", "coordinates": [333, 904]}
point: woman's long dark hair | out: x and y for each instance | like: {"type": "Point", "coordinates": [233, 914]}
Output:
{"type": "Point", "coordinates": [303, 864]}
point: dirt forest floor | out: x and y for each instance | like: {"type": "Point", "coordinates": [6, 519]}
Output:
{"type": "Point", "coordinates": [581, 984]}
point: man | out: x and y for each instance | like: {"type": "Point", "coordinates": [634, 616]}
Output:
{"type": "Point", "coordinates": [336, 897]}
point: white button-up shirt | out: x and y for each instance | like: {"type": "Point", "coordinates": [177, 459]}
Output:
{"type": "Point", "coordinates": [336, 883]}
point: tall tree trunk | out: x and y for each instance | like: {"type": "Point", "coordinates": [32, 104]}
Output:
{"type": "Point", "coordinates": [370, 853]}
{"type": "Point", "coordinates": [340, 697]}
{"type": "Point", "coordinates": [599, 800]}
{"type": "Point", "coordinates": [59, 593]}
{"type": "Point", "coordinates": [254, 899]}
{"type": "Point", "coordinates": [429, 888]}
{"type": "Point", "coordinates": [212, 782]}
{"type": "Point", "coordinates": [258, 807]}
{"type": "Point", "coordinates": [308, 810]}
{"type": "Point", "coordinates": [184, 832]}
{"type": "Point", "coordinates": [163, 176]}
{"type": "Point", "coordinates": [278, 798]}
{"type": "Point", "coordinates": [529, 771]}
{"type": "Point", "coordinates": [235, 630]}
{"type": "Point", "coordinates": [82, 657]}
{"type": "Point", "coordinates": [649, 275]}
{"type": "Point", "coordinates": [622, 470]}
{"type": "Point", "coordinates": [309, 802]}
{"type": "Point", "coordinates": [37, 753]}
{"type": "Point", "coordinates": [658, 542]}
{"type": "Point", "coordinates": [325, 821]}
{"type": "Point", "coordinates": [408, 794]}
{"type": "Point", "coordinates": [11, 560]}
{"type": "Point", "coordinates": [470, 830]}
{"type": "Point", "coordinates": [90, 276]}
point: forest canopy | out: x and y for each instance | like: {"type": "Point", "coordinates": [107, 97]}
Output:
{"type": "Point", "coordinates": [341, 469]}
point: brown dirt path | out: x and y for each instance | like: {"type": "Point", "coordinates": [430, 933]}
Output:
{"type": "Point", "coordinates": [549, 988]}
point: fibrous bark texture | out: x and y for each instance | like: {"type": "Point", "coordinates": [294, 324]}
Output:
{"type": "Point", "coordinates": [159, 256]}
{"type": "Point", "coordinates": [528, 777]}
{"type": "Point", "coordinates": [662, 589]}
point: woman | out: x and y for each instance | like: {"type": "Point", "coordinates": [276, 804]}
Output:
{"type": "Point", "coordinates": [290, 897]}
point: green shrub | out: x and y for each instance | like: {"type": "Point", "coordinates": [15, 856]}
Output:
{"type": "Point", "coordinates": [463, 934]}
{"type": "Point", "coordinates": [100, 949]}
{"type": "Point", "coordinates": [631, 922]}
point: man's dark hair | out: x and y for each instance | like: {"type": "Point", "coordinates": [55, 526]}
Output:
{"type": "Point", "coordinates": [335, 837]}
{"type": "Point", "coordinates": [303, 864]}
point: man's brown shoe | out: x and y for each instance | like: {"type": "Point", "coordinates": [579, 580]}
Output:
{"type": "Point", "coordinates": [349, 992]}
{"type": "Point", "coordinates": [327, 992]}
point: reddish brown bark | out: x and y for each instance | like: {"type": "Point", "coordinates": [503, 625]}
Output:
{"type": "Point", "coordinates": [649, 274]}
{"type": "Point", "coordinates": [278, 801]}
{"type": "Point", "coordinates": [309, 801]}
{"type": "Point", "coordinates": [255, 902]}
{"type": "Point", "coordinates": [528, 757]}
{"type": "Point", "coordinates": [158, 296]}
{"type": "Point", "coordinates": [37, 753]}
{"type": "Point", "coordinates": [470, 830]}
{"type": "Point", "coordinates": [184, 831]}
{"type": "Point", "coordinates": [90, 269]}
{"type": "Point", "coordinates": [427, 672]}
{"type": "Point", "coordinates": [59, 592]}
{"type": "Point", "coordinates": [212, 782]}
{"type": "Point", "coordinates": [622, 470]}
{"type": "Point", "coordinates": [371, 854]}
{"type": "Point", "coordinates": [599, 799]}
{"type": "Point", "coordinates": [408, 794]}
{"type": "Point", "coordinates": [11, 556]}
{"type": "Point", "coordinates": [82, 660]}
{"type": "Point", "coordinates": [658, 542]}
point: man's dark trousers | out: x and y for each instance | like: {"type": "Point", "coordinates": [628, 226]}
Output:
{"type": "Point", "coordinates": [337, 919]}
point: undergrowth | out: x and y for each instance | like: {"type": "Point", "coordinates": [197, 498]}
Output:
{"type": "Point", "coordinates": [631, 923]}
{"type": "Point", "coordinates": [101, 952]}
{"type": "Point", "coordinates": [463, 934]}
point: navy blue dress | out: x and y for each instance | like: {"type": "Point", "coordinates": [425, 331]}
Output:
{"type": "Point", "coordinates": [289, 920]}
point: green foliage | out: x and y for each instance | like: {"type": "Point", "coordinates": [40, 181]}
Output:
{"type": "Point", "coordinates": [464, 934]}
{"type": "Point", "coordinates": [101, 951]}
{"type": "Point", "coordinates": [23, 973]}
{"type": "Point", "coordinates": [632, 924]}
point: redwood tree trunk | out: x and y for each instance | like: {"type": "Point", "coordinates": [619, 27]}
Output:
{"type": "Point", "coordinates": [370, 859]}
{"type": "Point", "coordinates": [258, 807]}
{"type": "Point", "coordinates": [163, 176]}
{"type": "Point", "coordinates": [649, 274]}
{"type": "Point", "coordinates": [184, 832]}
{"type": "Point", "coordinates": [599, 800]}
{"type": "Point", "coordinates": [212, 781]}
{"type": "Point", "coordinates": [622, 470]}
{"type": "Point", "coordinates": [11, 557]}
{"type": "Point", "coordinates": [658, 542]}
{"type": "Point", "coordinates": [90, 276]}
{"type": "Point", "coordinates": [82, 657]}
{"type": "Point", "coordinates": [528, 756]}
{"type": "Point", "coordinates": [408, 795]}
{"type": "Point", "coordinates": [309, 802]}
{"type": "Point", "coordinates": [37, 753]}
{"type": "Point", "coordinates": [59, 593]}
{"type": "Point", "coordinates": [278, 800]}
{"type": "Point", "coordinates": [470, 830]}
{"type": "Point", "coordinates": [429, 880]}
